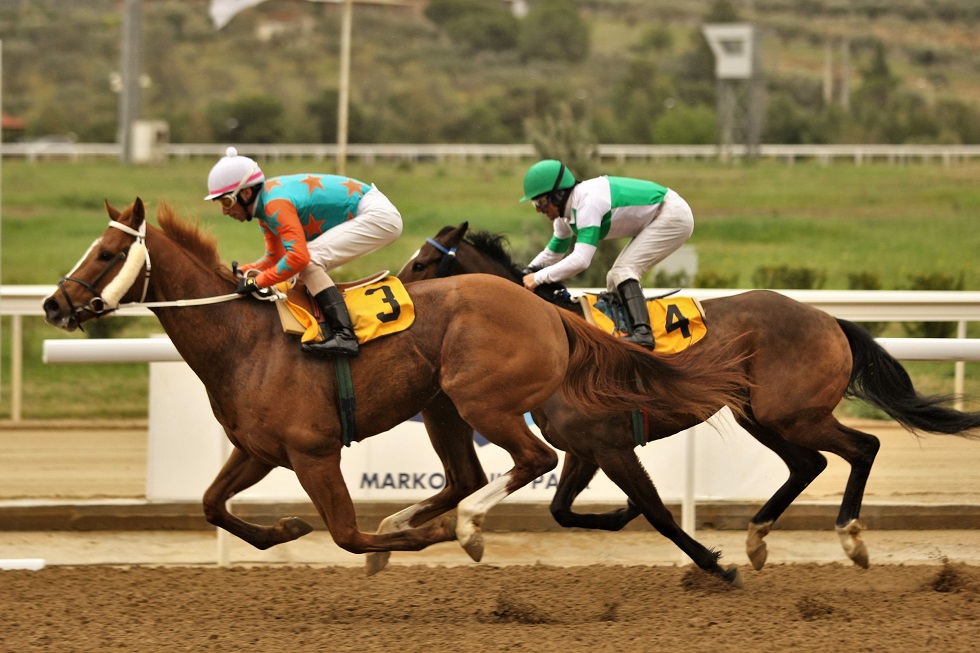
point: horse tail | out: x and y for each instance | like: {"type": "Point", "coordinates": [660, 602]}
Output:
{"type": "Point", "coordinates": [880, 380]}
{"type": "Point", "coordinates": [608, 375]}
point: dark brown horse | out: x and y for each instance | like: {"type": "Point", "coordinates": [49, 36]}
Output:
{"type": "Point", "coordinates": [480, 354]}
{"type": "Point", "coordinates": [800, 363]}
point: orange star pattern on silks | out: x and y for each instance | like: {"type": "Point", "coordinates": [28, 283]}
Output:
{"type": "Point", "coordinates": [312, 182]}
{"type": "Point", "coordinates": [272, 183]}
{"type": "Point", "coordinates": [353, 186]}
{"type": "Point", "coordinates": [312, 227]}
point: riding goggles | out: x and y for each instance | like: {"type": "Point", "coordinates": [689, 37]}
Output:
{"type": "Point", "coordinates": [541, 202]}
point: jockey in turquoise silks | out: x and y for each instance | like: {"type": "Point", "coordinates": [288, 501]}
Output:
{"type": "Point", "coordinates": [311, 223]}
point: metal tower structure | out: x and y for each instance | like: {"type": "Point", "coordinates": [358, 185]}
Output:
{"type": "Point", "coordinates": [740, 84]}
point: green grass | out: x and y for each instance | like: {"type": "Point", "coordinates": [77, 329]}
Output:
{"type": "Point", "coordinates": [892, 221]}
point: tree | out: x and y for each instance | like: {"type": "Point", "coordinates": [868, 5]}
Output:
{"type": "Point", "coordinates": [253, 119]}
{"type": "Point", "coordinates": [475, 24]}
{"type": "Point", "coordinates": [553, 30]}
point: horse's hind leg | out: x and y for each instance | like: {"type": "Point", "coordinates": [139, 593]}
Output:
{"type": "Point", "coordinates": [859, 449]}
{"type": "Point", "coordinates": [576, 473]}
{"type": "Point", "coordinates": [805, 462]}
{"type": "Point", "coordinates": [452, 439]}
{"type": "Point", "coordinates": [804, 465]}
{"type": "Point", "coordinates": [532, 458]}
{"type": "Point", "coordinates": [239, 473]}
{"type": "Point", "coordinates": [625, 470]}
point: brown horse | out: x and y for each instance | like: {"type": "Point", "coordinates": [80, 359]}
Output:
{"type": "Point", "coordinates": [800, 363]}
{"type": "Point", "coordinates": [480, 354]}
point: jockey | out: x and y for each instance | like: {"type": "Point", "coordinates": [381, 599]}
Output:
{"type": "Point", "coordinates": [657, 219]}
{"type": "Point", "coordinates": [311, 223]}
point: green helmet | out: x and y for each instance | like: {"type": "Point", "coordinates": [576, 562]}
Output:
{"type": "Point", "coordinates": [545, 177]}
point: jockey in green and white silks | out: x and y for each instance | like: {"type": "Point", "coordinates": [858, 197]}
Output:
{"type": "Point", "coordinates": [656, 218]}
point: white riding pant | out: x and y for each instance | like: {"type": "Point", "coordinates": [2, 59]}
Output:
{"type": "Point", "coordinates": [671, 228]}
{"type": "Point", "coordinates": [377, 223]}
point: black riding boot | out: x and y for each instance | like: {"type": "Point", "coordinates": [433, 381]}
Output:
{"type": "Point", "coordinates": [336, 319]}
{"type": "Point", "coordinates": [636, 307]}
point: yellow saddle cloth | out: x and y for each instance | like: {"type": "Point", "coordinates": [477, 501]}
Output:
{"type": "Point", "coordinates": [677, 322]}
{"type": "Point", "coordinates": [378, 306]}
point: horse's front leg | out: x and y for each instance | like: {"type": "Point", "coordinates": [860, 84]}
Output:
{"type": "Point", "coordinates": [576, 473]}
{"type": "Point", "coordinates": [239, 473]}
{"type": "Point", "coordinates": [452, 440]}
{"type": "Point", "coordinates": [321, 477]}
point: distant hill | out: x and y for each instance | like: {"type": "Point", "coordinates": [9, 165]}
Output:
{"type": "Point", "coordinates": [911, 73]}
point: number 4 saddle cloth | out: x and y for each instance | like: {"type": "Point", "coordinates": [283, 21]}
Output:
{"type": "Point", "coordinates": [677, 322]}
{"type": "Point", "coordinates": [378, 305]}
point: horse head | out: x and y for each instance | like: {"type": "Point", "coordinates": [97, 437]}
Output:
{"type": "Point", "coordinates": [106, 274]}
{"type": "Point", "coordinates": [438, 256]}
{"type": "Point", "coordinates": [454, 251]}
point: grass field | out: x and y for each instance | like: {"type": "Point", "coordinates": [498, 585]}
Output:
{"type": "Point", "coordinates": [892, 222]}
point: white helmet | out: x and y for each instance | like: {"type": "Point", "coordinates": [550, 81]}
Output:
{"type": "Point", "coordinates": [232, 173]}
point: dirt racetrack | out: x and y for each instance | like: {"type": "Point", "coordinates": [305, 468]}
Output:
{"type": "Point", "coordinates": [488, 608]}
{"type": "Point", "coordinates": [161, 591]}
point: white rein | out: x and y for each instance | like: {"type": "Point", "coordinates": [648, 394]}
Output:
{"type": "Point", "coordinates": [131, 269]}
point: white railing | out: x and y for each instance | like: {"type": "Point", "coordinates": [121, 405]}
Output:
{"type": "Point", "coordinates": [856, 305]}
{"type": "Point", "coordinates": [369, 153]}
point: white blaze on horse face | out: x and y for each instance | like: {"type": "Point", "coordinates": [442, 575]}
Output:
{"type": "Point", "coordinates": [126, 277]}
{"type": "Point", "coordinates": [84, 256]}
{"type": "Point", "coordinates": [408, 262]}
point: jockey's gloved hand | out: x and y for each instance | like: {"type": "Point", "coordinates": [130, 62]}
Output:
{"type": "Point", "coordinates": [529, 270]}
{"type": "Point", "coordinates": [247, 285]}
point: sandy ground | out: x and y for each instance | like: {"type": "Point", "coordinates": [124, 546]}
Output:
{"type": "Point", "coordinates": [557, 591]}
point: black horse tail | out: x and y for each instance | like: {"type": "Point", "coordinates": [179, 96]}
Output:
{"type": "Point", "coordinates": [880, 380]}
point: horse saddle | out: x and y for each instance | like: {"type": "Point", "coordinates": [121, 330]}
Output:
{"type": "Point", "coordinates": [677, 322]}
{"type": "Point", "coordinates": [378, 305]}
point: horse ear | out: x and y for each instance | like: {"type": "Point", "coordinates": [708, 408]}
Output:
{"type": "Point", "coordinates": [113, 213]}
{"type": "Point", "coordinates": [139, 212]}
{"type": "Point", "coordinates": [463, 227]}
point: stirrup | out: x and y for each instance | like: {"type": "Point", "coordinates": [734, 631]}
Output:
{"type": "Point", "coordinates": [340, 344]}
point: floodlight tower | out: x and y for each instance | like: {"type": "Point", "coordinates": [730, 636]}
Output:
{"type": "Point", "coordinates": [738, 71]}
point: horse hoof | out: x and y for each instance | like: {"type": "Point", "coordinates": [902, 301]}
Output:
{"type": "Point", "coordinates": [853, 544]}
{"type": "Point", "coordinates": [733, 576]}
{"type": "Point", "coordinates": [758, 556]}
{"type": "Point", "coordinates": [755, 545]}
{"type": "Point", "coordinates": [375, 562]}
{"type": "Point", "coordinates": [859, 554]}
{"type": "Point", "coordinates": [474, 547]}
{"type": "Point", "coordinates": [295, 527]}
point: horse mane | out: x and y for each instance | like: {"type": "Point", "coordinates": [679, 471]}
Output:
{"type": "Point", "coordinates": [193, 238]}
{"type": "Point", "coordinates": [493, 247]}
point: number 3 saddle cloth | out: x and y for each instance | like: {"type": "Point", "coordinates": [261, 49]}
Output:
{"type": "Point", "coordinates": [379, 305]}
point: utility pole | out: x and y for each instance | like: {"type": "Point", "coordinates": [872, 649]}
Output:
{"type": "Point", "coordinates": [129, 96]}
{"type": "Point", "coordinates": [344, 87]}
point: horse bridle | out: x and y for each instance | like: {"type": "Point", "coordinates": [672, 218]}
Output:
{"type": "Point", "coordinates": [448, 261]}
{"type": "Point", "coordinates": [99, 305]}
